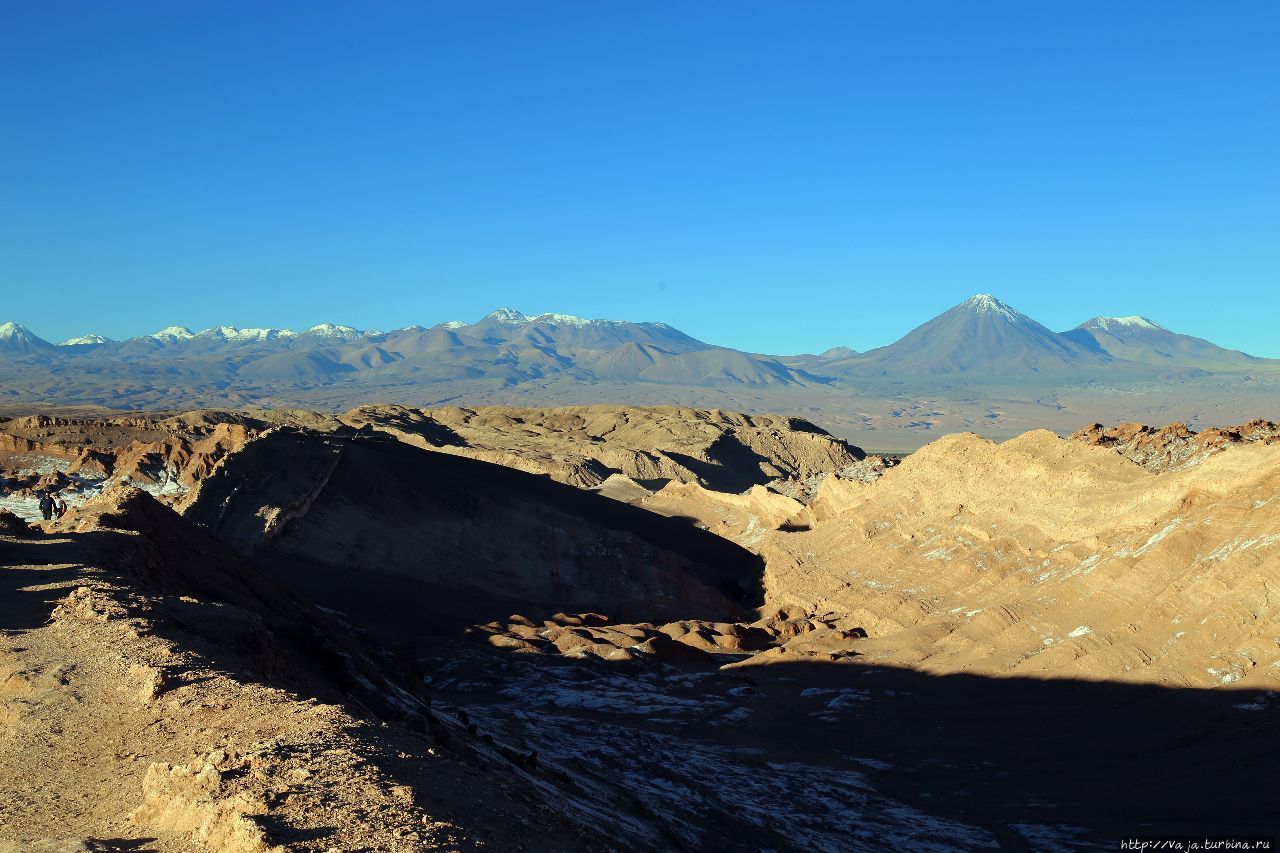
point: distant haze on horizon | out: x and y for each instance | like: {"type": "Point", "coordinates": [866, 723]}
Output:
{"type": "Point", "coordinates": [764, 177]}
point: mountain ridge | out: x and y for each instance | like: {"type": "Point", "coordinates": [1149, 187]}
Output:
{"type": "Point", "coordinates": [1140, 339]}
{"type": "Point", "coordinates": [982, 365]}
{"type": "Point", "coordinates": [982, 305]}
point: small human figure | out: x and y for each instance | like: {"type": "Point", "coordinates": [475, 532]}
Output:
{"type": "Point", "coordinates": [46, 505]}
{"type": "Point", "coordinates": [59, 507]}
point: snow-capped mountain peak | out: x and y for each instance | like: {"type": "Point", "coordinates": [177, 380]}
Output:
{"type": "Point", "coordinates": [985, 303]}
{"type": "Point", "coordinates": [16, 338]}
{"type": "Point", "coordinates": [512, 317]}
{"type": "Point", "coordinates": [571, 320]}
{"type": "Point", "coordinates": [9, 331]}
{"type": "Point", "coordinates": [173, 333]}
{"type": "Point", "coordinates": [1131, 322]}
{"type": "Point", "coordinates": [232, 333]}
{"type": "Point", "coordinates": [332, 331]}
{"type": "Point", "coordinates": [454, 324]}
{"type": "Point", "coordinates": [505, 317]}
{"type": "Point", "coordinates": [85, 340]}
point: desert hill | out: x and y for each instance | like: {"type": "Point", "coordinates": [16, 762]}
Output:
{"type": "Point", "coordinates": [1042, 555]}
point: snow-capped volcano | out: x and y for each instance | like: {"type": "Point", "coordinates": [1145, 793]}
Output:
{"type": "Point", "coordinates": [981, 334]}
{"type": "Point", "coordinates": [985, 303]}
{"type": "Point", "coordinates": [13, 331]}
{"type": "Point", "coordinates": [20, 339]}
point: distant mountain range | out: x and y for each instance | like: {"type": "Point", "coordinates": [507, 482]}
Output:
{"type": "Point", "coordinates": [559, 356]}
{"type": "Point", "coordinates": [984, 335]}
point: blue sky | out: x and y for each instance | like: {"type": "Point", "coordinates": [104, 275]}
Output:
{"type": "Point", "coordinates": [777, 177]}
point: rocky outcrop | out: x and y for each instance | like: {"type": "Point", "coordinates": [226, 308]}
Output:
{"type": "Point", "coordinates": [12, 525]}
{"type": "Point", "coordinates": [172, 454]}
{"type": "Point", "coordinates": [1176, 446]}
{"type": "Point", "coordinates": [192, 800]}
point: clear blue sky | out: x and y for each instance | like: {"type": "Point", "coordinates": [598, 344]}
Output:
{"type": "Point", "coordinates": [777, 177]}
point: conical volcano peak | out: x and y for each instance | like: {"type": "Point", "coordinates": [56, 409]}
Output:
{"type": "Point", "coordinates": [985, 303]}
{"type": "Point", "coordinates": [10, 330]}
{"type": "Point", "coordinates": [18, 338]}
{"type": "Point", "coordinates": [980, 334]}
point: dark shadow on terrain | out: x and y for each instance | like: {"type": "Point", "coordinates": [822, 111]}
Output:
{"type": "Point", "coordinates": [459, 541]}
{"type": "Point", "coordinates": [1084, 339]}
{"type": "Point", "coordinates": [1115, 757]}
{"type": "Point", "coordinates": [432, 431]}
{"type": "Point", "coordinates": [793, 528]}
{"type": "Point", "coordinates": [281, 832]}
{"type": "Point", "coordinates": [1095, 761]}
{"type": "Point", "coordinates": [269, 633]}
{"type": "Point", "coordinates": [22, 609]}
{"type": "Point", "coordinates": [121, 845]}
{"type": "Point", "coordinates": [734, 466]}
{"type": "Point", "coordinates": [655, 484]}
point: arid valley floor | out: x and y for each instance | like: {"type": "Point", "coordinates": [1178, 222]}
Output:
{"type": "Point", "coordinates": [631, 628]}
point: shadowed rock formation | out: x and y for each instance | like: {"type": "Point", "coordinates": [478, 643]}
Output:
{"type": "Point", "coordinates": [464, 540]}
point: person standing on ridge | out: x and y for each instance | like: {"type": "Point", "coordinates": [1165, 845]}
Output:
{"type": "Point", "coordinates": [46, 505]}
